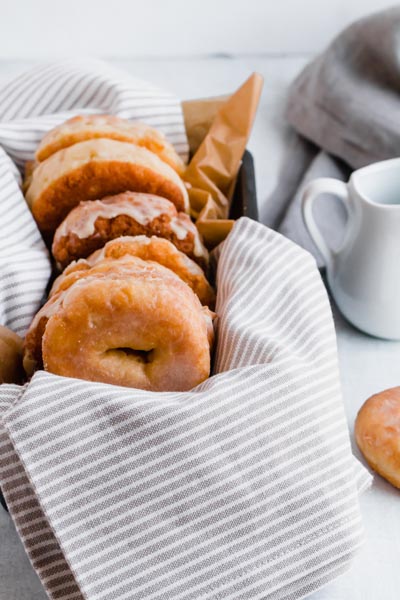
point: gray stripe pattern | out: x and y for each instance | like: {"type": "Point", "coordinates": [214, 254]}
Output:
{"type": "Point", "coordinates": [32, 104]}
{"type": "Point", "coordinates": [44, 553]}
{"type": "Point", "coordinates": [24, 261]}
{"type": "Point", "coordinates": [242, 488]}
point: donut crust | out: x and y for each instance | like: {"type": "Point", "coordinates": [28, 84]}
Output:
{"type": "Point", "coordinates": [86, 127]}
{"type": "Point", "coordinates": [377, 432]}
{"type": "Point", "coordinates": [70, 243]}
{"type": "Point", "coordinates": [94, 169]}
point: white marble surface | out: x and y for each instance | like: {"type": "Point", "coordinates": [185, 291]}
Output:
{"type": "Point", "coordinates": [367, 365]}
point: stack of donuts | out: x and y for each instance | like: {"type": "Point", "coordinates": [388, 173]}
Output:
{"type": "Point", "coordinates": [132, 305]}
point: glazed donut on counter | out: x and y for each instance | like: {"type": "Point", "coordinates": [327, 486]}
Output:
{"type": "Point", "coordinates": [87, 127]}
{"type": "Point", "coordinates": [377, 432]}
{"type": "Point", "coordinates": [134, 324]}
{"type": "Point", "coordinates": [93, 169]}
{"type": "Point", "coordinates": [154, 249]}
{"type": "Point", "coordinates": [91, 224]}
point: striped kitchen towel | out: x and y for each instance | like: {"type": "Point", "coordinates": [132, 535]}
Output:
{"type": "Point", "coordinates": [243, 488]}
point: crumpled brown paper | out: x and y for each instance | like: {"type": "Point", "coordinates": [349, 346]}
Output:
{"type": "Point", "coordinates": [199, 115]}
{"type": "Point", "coordinates": [212, 172]}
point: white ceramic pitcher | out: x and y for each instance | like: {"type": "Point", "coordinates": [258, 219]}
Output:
{"type": "Point", "coordinates": [364, 274]}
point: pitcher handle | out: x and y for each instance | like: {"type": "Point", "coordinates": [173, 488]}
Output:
{"type": "Point", "coordinates": [322, 185]}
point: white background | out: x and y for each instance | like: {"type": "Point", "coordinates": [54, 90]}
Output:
{"type": "Point", "coordinates": [172, 28]}
{"type": "Point", "coordinates": [198, 49]}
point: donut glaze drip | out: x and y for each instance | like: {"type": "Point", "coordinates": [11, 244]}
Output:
{"type": "Point", "coordinates": [181, 226]}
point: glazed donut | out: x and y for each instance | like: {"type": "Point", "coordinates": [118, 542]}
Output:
{"type": "Point", "coordinates": [87, 127]}
{"type": "Point", "coordinates": [377, 432]}
{"type": "Point", "coordinates": [153, 248]}
{"type": "Point", "coordinates": [137, 325]}
{"type": "Point", "coordinates": [30, 166]}
{"type": "Point", "coordinates": [32, 355]}
{"type": "Point", "coordinates": [10, 356]}
{"type": "Point", "coordinates": [93, 169]}
{"type": "Point", "coordinates": [91, 224]}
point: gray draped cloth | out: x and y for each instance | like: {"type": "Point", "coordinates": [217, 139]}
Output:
{"type": "Point", "coordinates": [344, 108]}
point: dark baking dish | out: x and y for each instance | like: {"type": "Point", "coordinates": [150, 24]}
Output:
{"type": "Point", "coordinates": [244, 204]}
{"type": "Point", "coordinates": [244, 201]}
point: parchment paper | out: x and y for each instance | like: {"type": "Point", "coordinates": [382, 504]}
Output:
{"type": "Point", "coordinates": [211, 173]}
